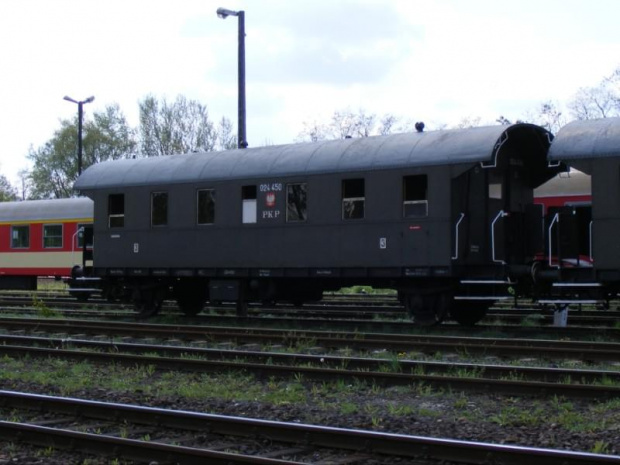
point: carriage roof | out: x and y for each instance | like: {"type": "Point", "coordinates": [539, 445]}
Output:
{"type": "Point", "coordinates": [446, 147]}
{"type": "Point", "coordinates": [79, 208]}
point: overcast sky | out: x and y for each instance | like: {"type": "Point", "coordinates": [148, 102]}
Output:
{"type": "Point", "coordinates": [436, 61]}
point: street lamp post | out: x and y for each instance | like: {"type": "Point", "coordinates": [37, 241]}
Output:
{"type": "Point", "coordinates": [80, 104]}
{"type": "Point", "coordinates": [223, 13]}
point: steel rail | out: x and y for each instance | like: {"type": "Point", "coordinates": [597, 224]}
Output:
{"type": "Point", "coordinates": [491, 371]}
{"type": "Point", "coordinates": [363, 315]}
{"type": "Point", "coordinates": [590, 351]}
{"type": "Point", "coordinates": [370, 326]}
{"type": "Point", "coordinates": [266, 371]}
{"type": "Point", "coordinates": [464, 452]}
{"type": "Point", "coordinates": [126, 448]}
{"type": "Point", "coordinates": [177, 330]}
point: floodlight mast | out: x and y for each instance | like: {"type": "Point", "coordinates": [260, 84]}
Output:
{"type": "Point", "coordinates": [223, 13]}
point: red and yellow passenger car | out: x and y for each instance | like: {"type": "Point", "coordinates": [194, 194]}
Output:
{"type": "Point", "coordinates": [41, 238]}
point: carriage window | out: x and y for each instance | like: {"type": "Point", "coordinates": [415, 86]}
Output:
{"type": "Point", "coordinates": [206, 206]}
{"type": "Point", "coordinates": [353, 197]}
{"type": "Point", "coordinates": [20, 237]}
{"type": "Point", "coordinates": [159, 208]}
{"type": "Point", "coordinates": [116, 210]}
{"type": "Point", "coordinates": [81, 228]}
{"type": "Point", "coordinates": [296, 202]}
{"type": "Point", "coordinates": [495, 191]}
{"type": "Point", "coordinates": [248, 196]}
{"type": "Point", "coordinates": [52, 236]}
{"type": "Point", "coordinates": [415, 192]}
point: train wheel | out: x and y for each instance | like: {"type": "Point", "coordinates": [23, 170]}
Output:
{"type": "Point", "coordinates": [191, 304]}
{"type": "Point", "coordinates": [427, 309]}
{"type": "Point", "coordinates": [191, 296]}
{"type": "Point", "coordinates": [468, 313]}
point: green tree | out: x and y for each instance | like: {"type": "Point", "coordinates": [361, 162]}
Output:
{"type": "Point", "coordinates": [106, 137]}
{"type": "Point", "coordinates": [7, 191]}
{"type": "Point", "coordinates": [172, 128]}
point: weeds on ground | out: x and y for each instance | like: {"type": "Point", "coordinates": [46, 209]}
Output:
{"type": "Point", "coordinates": [532, 320]}
{"type": "Point", "coordinates": [515, 416]}
{"type": "Point", "coordinates": [43, 311]}
{"type": "Point", "coordinates": [601, 447]}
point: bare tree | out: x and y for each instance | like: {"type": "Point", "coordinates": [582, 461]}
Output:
{"type": "Point", "coordinates": [601, 101]}
{"type": "Point", "coordinates": [469, 122]}
{"type": "Point", "coordinates": [550, 116]}
{"type": "Point", "coordinates": [226, 140]}
{"type": "Point", "coordinates": [387, 124]}
{"type": "Point", "coordinates": [346, 123]}
{"type": "Point", "coordinates": [313, 132]}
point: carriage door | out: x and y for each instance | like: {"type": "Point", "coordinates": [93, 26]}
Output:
{"type": "Point", "coordinates": [570, 228]}
{"type": "Point", "coordinates": [490, 209]}
{"type": "Point", "coordinates": [471, 234]}
{"type": "Point", "coordinates": [497, 214]}
{"type": "Point", "coordinates": [516, 223]}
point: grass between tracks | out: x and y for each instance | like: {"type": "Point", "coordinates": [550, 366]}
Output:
{"type": "Point", "coordinates": [367, 406]}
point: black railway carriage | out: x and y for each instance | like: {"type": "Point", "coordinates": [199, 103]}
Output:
{"type": "Point", "coordinates": [440, 216]}
{"type": "Point", "coordinates": [582, 254]}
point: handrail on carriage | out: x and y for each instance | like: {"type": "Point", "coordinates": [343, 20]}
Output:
{"type": "Point", "coordinates": [456, 236]}
{"type": "Point", "coordinates": [556, 218]}
{"type": "Point", "coordinates": [501, 214]}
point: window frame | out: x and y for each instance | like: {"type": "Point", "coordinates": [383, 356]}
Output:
{"type": "Point", "coordinates": [116, 215]}
{"type": "Point", "coordinates": [55, 237]}
{"type": "Point", "coordinates": [249, 204]}
{"type": "Point", "coordinates": [163, 221]}
{"type": "Point", "coordinates": [304, 217]}
{"type": "Point", "coordinates": [198, 204]}
{"type": "Point", "coordinates": [347, 184]}
{"type": "Point", "coordinates": [412, 199]}
{"type": "Point", "coordinates": [79, 238]}
{"type": "Point", "coordinates": [19, 227]}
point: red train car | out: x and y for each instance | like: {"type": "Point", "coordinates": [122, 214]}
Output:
{"type": "Point", "coordinates": [571, 189]}
{"type": "Point", "coordinates": [570, 194]}
{"type": "Point", "coordinates": [41, 238]}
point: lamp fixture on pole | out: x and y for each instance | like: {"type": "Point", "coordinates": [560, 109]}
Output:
{"type": "Point", "coordinates": [80, 104]}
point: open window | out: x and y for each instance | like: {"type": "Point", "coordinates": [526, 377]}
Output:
{"type": "Point", "coordinates": [116, 210]}
{"type": "Point", "coordinates": [353, 199]}
{"type": "Point", "coordinates": [296, 202]}
{"type": "Point", "coordinates": [415, 196]}
{"type": "Point", "coordinates": [82, 235]}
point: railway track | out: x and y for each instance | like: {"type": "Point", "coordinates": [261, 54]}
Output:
{"type": "Point", "coordinates": [511, 380]}
{"type": "Point", "coordinates": [507, 379]}
{"type": "Point", "coordinates": [425, 343]}
{"type": "Point", "coordinates": [207, 437]}
{"type": "Point", "coordinates": [325, 321]}
{"type": "Point", "coordinates": [341, 307]}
